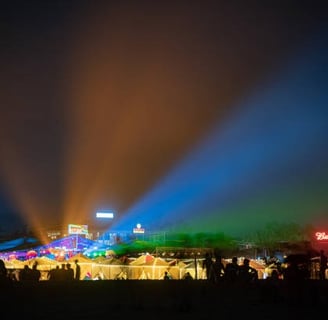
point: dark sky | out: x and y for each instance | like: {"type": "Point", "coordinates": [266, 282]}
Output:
{"type": "Point", "coordinates": [100, 98]}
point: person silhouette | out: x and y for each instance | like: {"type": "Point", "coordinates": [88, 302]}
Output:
{"type": "Point", "coordinates": [62, 275]}
{"type": "Point", "coordinates": [188, 276]}
{"type": "Point", "coordinates": [25, 273]}
{"type": "Point", "coordinates": [4, 277]}
{"type": "Point", "coordinates": [218, 269]}
{"type": "Point", "coordinates": [77, 270]}
{"type": "Point", "coordinates": [35, 272]}
{"type": "Point", "coordinates": [166, 276]}
{"type": "Point", "coordinates": [293, 278]}
{"type": "Point", "coordinates": [54, 273]}
{"type": "Point", "coordinates": [208, 266]}
{"type": "Point", "coordinates": [323, 265]}
{"type": "Point", "coordinates": [69, 272]}
{"type": "Point", "coordinates": [232, 270]}
{"type": "Point", "coordinates": [7, 287]}
{"type": "Point", "coordinates": [247, 274]}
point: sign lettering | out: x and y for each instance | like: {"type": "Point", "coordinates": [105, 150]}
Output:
{"type": "Point", "coordinates": [320, 236]}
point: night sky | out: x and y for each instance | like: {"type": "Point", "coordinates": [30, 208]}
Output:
{"type": "Point", "coordinates": [104, 102]}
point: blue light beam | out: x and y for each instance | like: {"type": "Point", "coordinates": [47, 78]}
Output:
{"type": "Point", "coordinates": [276, 140]}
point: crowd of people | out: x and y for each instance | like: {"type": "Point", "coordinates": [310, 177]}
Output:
{"type": "Point", "coordinates": [60, 273]}
{"type": "Point", "coordinates": [215, 269]}
{"type": "Point", "coordinates": [217, 272]}
{"type": "Point", "coordinates": [294, 270]}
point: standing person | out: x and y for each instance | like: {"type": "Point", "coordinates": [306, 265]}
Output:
{"type": "Point", "coordinates": [188, 276]}
{"type": "Point", "coordinates": [4, 278]}
{"type": "Point", "coordinates": [232, 270]}
{"type": "Point", "coordinates": [247, 274]}
{"type": "Point", "coordinates": [69, 272]}
{"type": "Point", "coordinates": [62, 275]}
{"type": "Point", "coordinates": [25, 273]}
{"type": "Point", "coordinates": [54, 273]}
{"type": "Point", "coordinates": [208, 266]}
{"type": "Point", "coordinates": [323, 265]}
{"type": "Point", "coordinates": [77, 270]}
{"type": "Point", "coordinates": [35, 272]}
{"type": "Point", "coordinates": [294, 280]}
{"type": "Point", "coordinates": [6, 286]}
{"type": "Point", "coordinates": [218, 269]}
{"type": "Point", "coordinates": [3, 270]}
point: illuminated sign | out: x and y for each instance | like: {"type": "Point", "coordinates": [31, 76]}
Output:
{"type": "Point", "coordinates": [77, 229]}
{"type": "Point", "coordinates": [138, 230]}
{"type": "Point", "coordinates": [321, 236]}
{"type": "Point", "coordinates": [107, 215]}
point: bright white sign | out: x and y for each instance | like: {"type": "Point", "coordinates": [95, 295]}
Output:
{"type": "Point", "coordinates": [107, 215]}
{"type": "Point", "coordinates": [138, 230]}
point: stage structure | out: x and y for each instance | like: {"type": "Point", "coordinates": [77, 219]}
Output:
{"type": "Point", "coordinates": [107, 238]}
{"type": "Point", "coordinates": [77, 230]}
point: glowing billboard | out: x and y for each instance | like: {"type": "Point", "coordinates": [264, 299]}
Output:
{"type": "Point", "coordinates": [77, 229]}
{"type": "Point", "coordinates": [321, 236]}
{"type": "Point", "coordinates": [106, 215]}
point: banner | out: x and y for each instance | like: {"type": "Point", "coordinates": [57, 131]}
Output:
{"type": "Point", "coordinates": [77, 229]}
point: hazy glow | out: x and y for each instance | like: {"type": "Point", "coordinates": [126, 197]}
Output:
{"type": "Point", "coordinates": [108, 106]}
{"type": "Point", "coordinates": [26, 190]}
{"type": "Point", "coordinates": [266, 163]}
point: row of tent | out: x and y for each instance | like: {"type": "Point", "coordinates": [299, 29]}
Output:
{"type": "Point", "coordinates": [47, 263]}
{"type": "Point", "coordinates": [145, 266]}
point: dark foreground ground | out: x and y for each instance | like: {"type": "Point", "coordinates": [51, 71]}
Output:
{"type": "Point", "coordinates": [158, 299]}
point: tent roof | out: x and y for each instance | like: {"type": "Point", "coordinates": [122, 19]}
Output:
{"type": "Point", "coordinates": [149, 260]}
{"type": "Point", "coordinates": [109, 261]}
{"type": "Point", "coordinates": [160, 262]}
{"type": "Point", "coordinates": [145, 259]}
{"type": "Point", "coordinates": [15, 263]}
{"type": "Point", "coordinates": [42, 261]}
{"type": "Point", "coordinates": [80, 257]}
